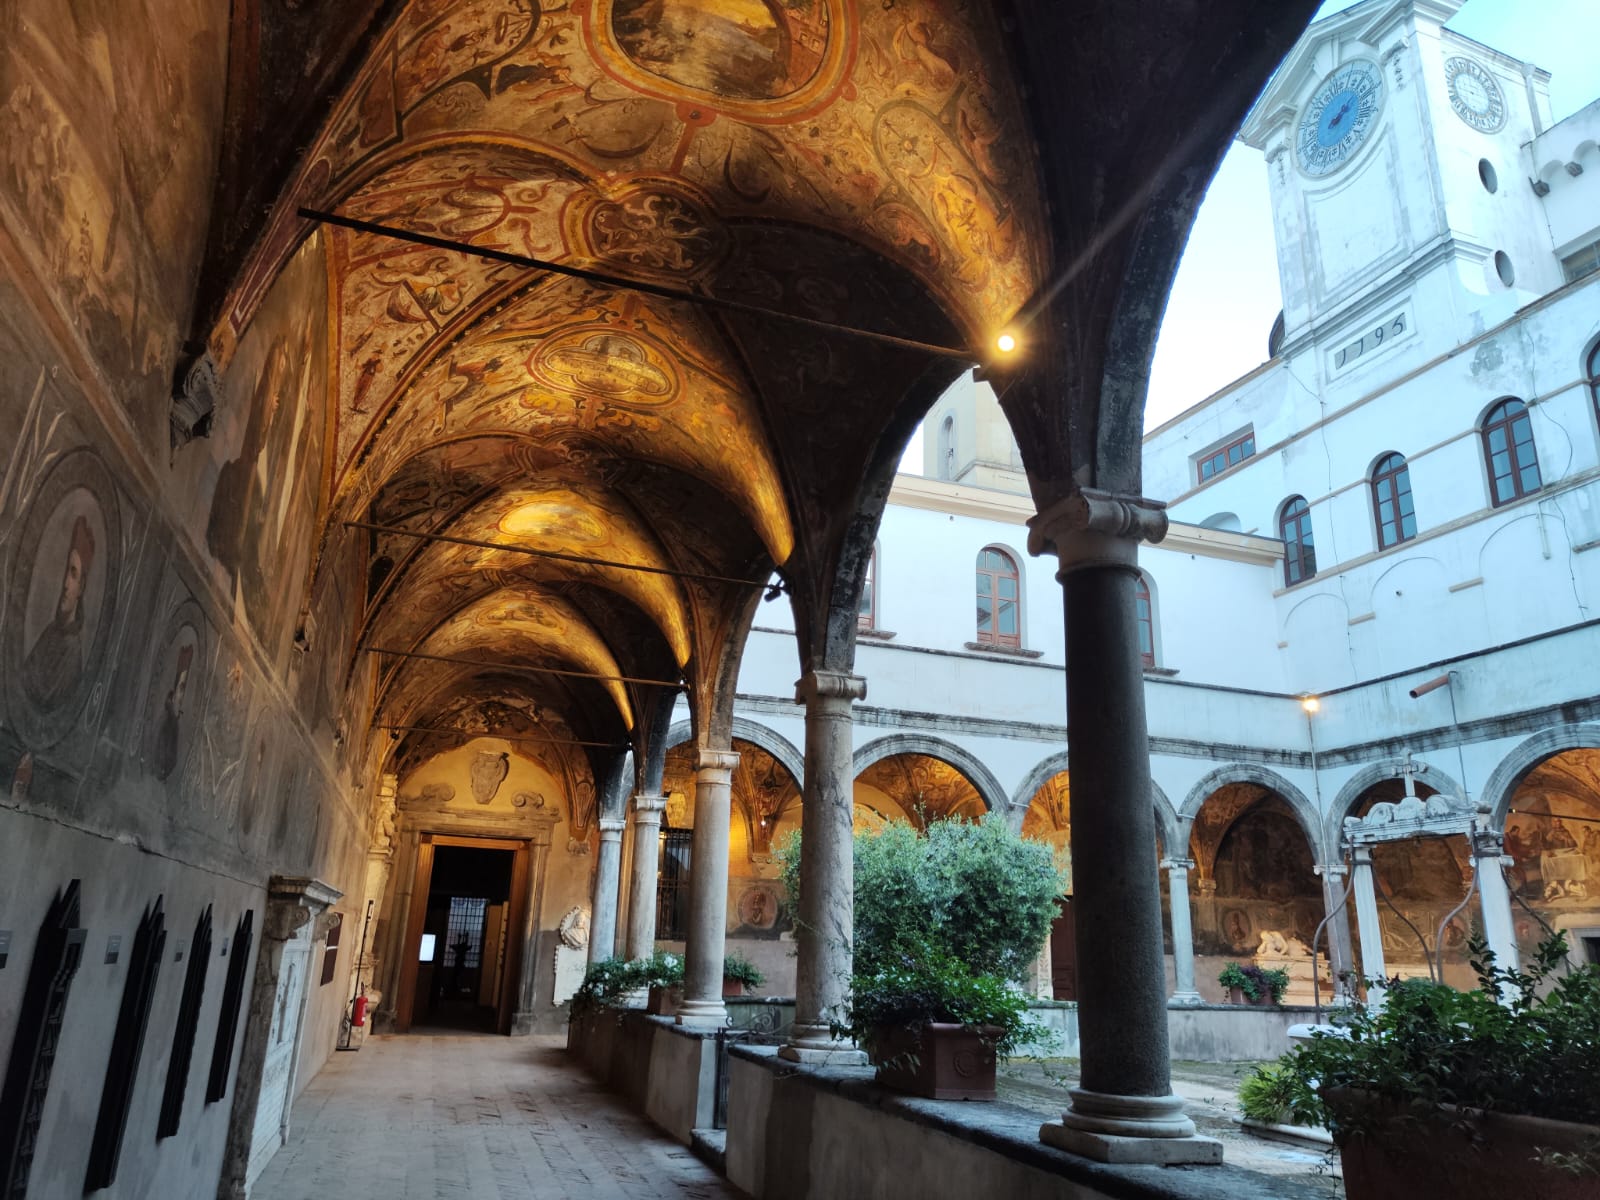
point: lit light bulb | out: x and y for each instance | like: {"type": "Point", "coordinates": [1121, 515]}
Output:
{"type": "Point", "coordinates": [1006, 342]}
{"type": "Point", "coordinates": [1310, 703]}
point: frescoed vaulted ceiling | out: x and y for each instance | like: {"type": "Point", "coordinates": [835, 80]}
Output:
{"type": "Point", "coordinates": [593, 474]}
{"type": "Point", "coordinates": [927, 788]}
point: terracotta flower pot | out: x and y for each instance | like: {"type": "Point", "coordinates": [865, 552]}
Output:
{"type": "Point", "coordinates": [1413, 1150]}
{"type": "Point", "coordinates": [732, 988]}
{"type": "Point", "coordinates": [663, 1001]}
{"type": "Point", "coordinates": [1235, 995]}
{"type": "Point", "coordinates": [948, 1062]}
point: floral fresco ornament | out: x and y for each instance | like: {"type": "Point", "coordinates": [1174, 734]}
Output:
{"type": "Point", "coordinates": [489, 770]}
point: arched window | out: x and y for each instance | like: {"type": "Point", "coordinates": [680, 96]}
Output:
{"type": "Point", "coordinates": [1594, 376]}
{"type": "Point", "coordinates": [1294, 527]}
{"type": "Point", "coordinates": [947, 448]}
{"type": "Point", "coordinates": [1509, 451]}
{"type": "Point", "coordinates": [999, 613]}
{"type": "Point", "coordinates": [1391, 501]}
{"type": "Point", "coordinates": [867, 613]}
{"type": "Point", "coordinates": [1147, 624]}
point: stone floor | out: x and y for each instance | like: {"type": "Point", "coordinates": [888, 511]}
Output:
{"type": "Point", "coordinates": [434, 1118]}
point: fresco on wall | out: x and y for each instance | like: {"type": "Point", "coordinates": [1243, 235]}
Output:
{"type": "Point", "coordinates": [1049, 820]}
{"type": "Point", "coordinates": [112, 110]}
{"type": "Point", "coordinates": [61, 597]}
{"type": "Point", "coordinates": [1255, 856]}
{"type": "Point", "coordinates": [1553, 832]}
{"type": "Point", "coordinates": [269, 489]}
{"type": "Point", "coordinates": [926, 788]}
{"type": "Point", "coordinates": [176, 693]}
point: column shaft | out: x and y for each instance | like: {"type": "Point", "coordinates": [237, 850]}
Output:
{"type": "Point", "coordinates": [1341, 961]}
{"type": "Point", "coordinates": [607, 872]}
{"type": "Point", "coordinates": [647, 812]}
{"type": "Point", "coordinates": [1368, 928]}
{"type": "Point", "coordinates": [708, 891]}
{"type": "Point", "coordinates": [1489, 861]}
{"type": "Point", "coordinates": [1183, 990]}
{"type": "Point", "coordinates": [827, 863]}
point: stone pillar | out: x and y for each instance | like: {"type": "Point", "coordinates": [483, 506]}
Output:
{"type": "Point", "coordinates": [1125, 1110]}
{"type": "Point", "coordinates": [1340, 959]}
{"type": "Point", "coordinates": [647, 812]}
{"type": "Point", "coordinates": [607, 872]}
{"type": "Point", "coordinates": [1367, 926]}
{"type": "Point", "coordinates": [708, 891]}
{"type": "Point", "coordinates": [1489, 860]}
{"type": "Point", "coordinates": [827, 864]}
{"type": "Point", "coordinates": [1183, 990]}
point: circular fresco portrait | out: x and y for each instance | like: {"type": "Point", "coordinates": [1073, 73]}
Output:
{"type": "Point", "coordinates": [173, 694]}
{"type": "Point", "coordinates": [61, 598]}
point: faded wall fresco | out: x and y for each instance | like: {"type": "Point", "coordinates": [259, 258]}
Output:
{"type": "Point", "coordinates": [112, 111]}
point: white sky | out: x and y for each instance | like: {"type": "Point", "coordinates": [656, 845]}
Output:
{"type": "Point", "coordinates": [1226, 293]}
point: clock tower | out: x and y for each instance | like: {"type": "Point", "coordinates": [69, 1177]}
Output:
{"type": "Point", "coordinates": [1401, 213]}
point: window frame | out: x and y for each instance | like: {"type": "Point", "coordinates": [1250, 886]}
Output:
{"type": "Point", "coordinates": [868, 619]}
{"type": "Point", "coordinates": [1238, 441]}
{"type": "Point", "coordinates": [1592, 376]}
{"type": "Point", "coordinates": [1145, 618]}
{"type": "Point", "coordinates": [1501, 419]}
{"type": "Point", "coordinates": [1299, 552]}
{"type": "Point", "coordinates": [1392, 470]}
{"type": "Point", "coordinates": [993, 636]}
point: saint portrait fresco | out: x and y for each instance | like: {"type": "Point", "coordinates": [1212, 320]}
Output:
{"type": "Point", "coordinates": [748, 49]}
{"type": "Point", "coordinates": [62, 593]}
{"type": "Point", "coordinates": [175, 692]}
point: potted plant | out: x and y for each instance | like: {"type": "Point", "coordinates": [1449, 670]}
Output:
{"type": "Point", "coordinates": [662, 973]}
{"type": "Point", "coordinates": [1472, 1094]}
{"type": "Point", "coordinates": [946, 922]}
{"type": "Point", "coordinates": [739, 974]}
{"type": "Point", "coordinates": [1251, 984]}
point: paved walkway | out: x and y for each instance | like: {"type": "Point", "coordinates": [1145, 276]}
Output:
{"type": "Point", "coordinates": [479, 1117]}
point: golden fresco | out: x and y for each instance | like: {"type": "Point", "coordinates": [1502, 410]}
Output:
{"type": "Point", "coordinates": [926, 788]}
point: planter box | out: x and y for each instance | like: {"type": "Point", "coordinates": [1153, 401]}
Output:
{"type": "Point", "coordinates": [948, 1062]}
{"type": "Point", "coordinates": [663, 1001]}
{"type": "Point", "coordinates": [732, 988]}
{"type": "Point", "coordinates": [1424, 1151]}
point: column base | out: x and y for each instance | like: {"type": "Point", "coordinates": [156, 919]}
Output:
{"type": "Point", "coordinates": [712, 1014]}
{"type": "Point", "coordinates": [1127, 1116]}
{"type": "Point", "coordinates": [815, 1044]}
{"type": "Point", "coordinates": [1111, 1148]}
{"type": "Point", "coordinates": [1185, 999]}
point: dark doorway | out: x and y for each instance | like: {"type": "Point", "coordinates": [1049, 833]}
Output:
{"type": "Point", "coordinates": [1064, 953]}
{"type": "Point", "coordinates": [469, 902]}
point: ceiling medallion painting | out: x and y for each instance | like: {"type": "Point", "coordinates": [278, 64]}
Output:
{"type": "Point", "coordinates": [754, 59]}
{"type": "Point", "coordinates": [596, 359]}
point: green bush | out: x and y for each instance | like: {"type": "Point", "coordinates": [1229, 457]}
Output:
{"type": "Point", "coordinates": [739, 969]}
{"type": "Point", "coordinates": [1521, 1042]}
{"type": "Point", "coordinates": [1255, 982]}
{"type": "Point", "coordinates": [1277, 1095]}
{"type": "Point", "coordinates": [933, 986]}
{"type": "Point", "coordinates": [611, 980]}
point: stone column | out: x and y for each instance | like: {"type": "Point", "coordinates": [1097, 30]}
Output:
{"type": "Point", "coordinates": [1125, 1109]}
{"type": "Point", "coordinates": [827, 864]}
{"type": "Point", "coordinates": [1183, 990]}
{"type": "Point", "coordinates": [1368, 928]}
{"type": "Point", "coordinates": [708, 891]}
{"type": "Point", "coordinates": [607, 872]}
{"type": "Point", "coordinates": [647, 812]}
{"type": "Point", "coordinates": [1341, 962]}
{"type": "Point", "coordinates": [1489, 860]}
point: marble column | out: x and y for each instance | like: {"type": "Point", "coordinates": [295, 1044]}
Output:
{"type": "Point", "coordinates": [1341, 962]}
{"type": "Point", "coordinates": [708, 891]}
{"type": "Point", "coordinates": [1124, 1109]}
{"type": "Point", "coordinates": [1489, 860]}
{"type": "Point", "coordinates": [647, 812]}
{"type": "Point", "coordinates": [1368, 928]}
{"type": "Point", "coordinates": [607, 873]}
{"type": "Point", "coordinates": [827, 864]}
{"type": "Point", "coordinates": [1183, 989]}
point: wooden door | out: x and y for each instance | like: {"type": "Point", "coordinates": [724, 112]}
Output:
{"type": "Point", "coordinates": [1064, 953]}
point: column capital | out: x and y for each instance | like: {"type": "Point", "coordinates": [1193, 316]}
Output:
{"type": "Point", "coordinates": [820, 684]}
{"type": "Point", "coordinates": [1361, 855]}
{"type": "Point", "coordinates": [1330, 870]}
{"type": "Point", "coordinates": [611, 828]}
{"type": "Point", "coordinates": [648, 808]}
{"type": "Point", "coordinates": [1488, 844]}
{"type": "Point", "coordinates": [1177, 864]}
{"type": "Point", "coordinates": [1094, 528]}
{"type": "Point", "coordinates": [717, 760]}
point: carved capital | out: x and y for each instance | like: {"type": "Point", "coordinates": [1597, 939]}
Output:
{"type": "Point", "coordinates": [1177, 864]}
{"type": "Point", "coordinates": [611, 828]}
{"type": "Point", "coordinates": [821, 686]}
{"type": "Point", "coordinates": [717, 761]}
{"type": "Point", "coordinates": [1092, 528]}
{"type": "Point", "coordinates": [194, 400]}
{"type": "Point", "coordinates": [1486, 843]}
{"type": "Point", "coordinates": [647, 810]}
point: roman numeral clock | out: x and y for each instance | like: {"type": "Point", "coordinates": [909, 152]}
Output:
{"type": "Point", "coordinates": [1339, 117]}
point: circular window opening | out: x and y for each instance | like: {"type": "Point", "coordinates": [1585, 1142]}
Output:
{"type": "Point", "coordinates": [1486, 172]}
{"type": "Point", "coordinates": [1503, 268]}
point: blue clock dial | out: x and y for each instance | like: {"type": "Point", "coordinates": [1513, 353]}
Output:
{"type": "Point", "coordinates": [1338, 118]}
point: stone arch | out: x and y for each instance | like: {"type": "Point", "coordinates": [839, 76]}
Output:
{"type": "Point", "coordinates": [1166, 816]}
{"type": "Point", "coordinates": [988, 787]}
{"type": "Point", "coordinates": [1504, 780]}
{"type": "Point", "coordinates": [1310, 820]}
{"type": "Point", "coordinates": [746, 730]}
{"type": "Point", "coordinates": [1369, 776]}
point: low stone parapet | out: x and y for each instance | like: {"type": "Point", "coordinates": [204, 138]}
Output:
{"type": "Point", "coordinates": [666, 1070]}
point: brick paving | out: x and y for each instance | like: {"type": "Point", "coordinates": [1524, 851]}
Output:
{"type": "Point", "coordinates": [437, 1118]}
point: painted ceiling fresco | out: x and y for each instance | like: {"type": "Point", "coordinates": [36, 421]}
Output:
{"type": "Point", "coordinates": [927, 788]}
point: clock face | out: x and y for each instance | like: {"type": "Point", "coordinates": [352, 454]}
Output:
{"type": "Point", "coordinates": [1475, 95]}
{"type": "Point", "coordinates": [1339, 117]}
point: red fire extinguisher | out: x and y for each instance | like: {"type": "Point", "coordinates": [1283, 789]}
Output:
{"type": "Point", "coordinates": [358, 1011]}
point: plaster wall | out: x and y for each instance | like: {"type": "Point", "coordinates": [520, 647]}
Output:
{"type": "Point", "coordinates": [1572, 206]}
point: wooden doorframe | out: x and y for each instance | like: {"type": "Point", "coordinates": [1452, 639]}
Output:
{"type": "Point", "coordinates": [516, 918]}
